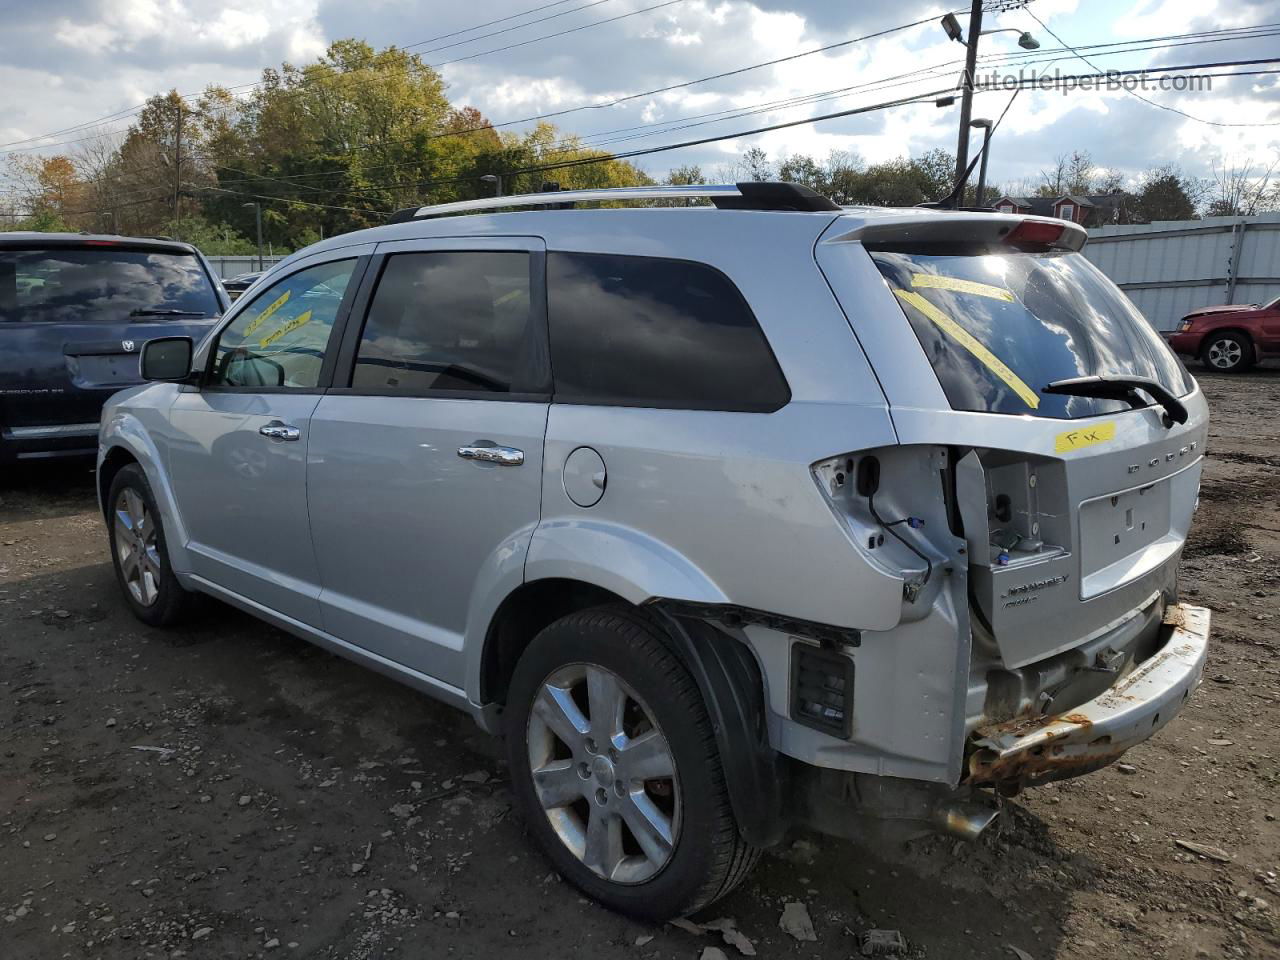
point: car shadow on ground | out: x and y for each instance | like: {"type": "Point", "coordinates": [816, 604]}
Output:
{"type": "Point", "coordinates": [46, 489]}
{"type": "Point", "coordinates": [355, 783]}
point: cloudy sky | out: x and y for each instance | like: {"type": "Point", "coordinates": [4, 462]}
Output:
{"type": "Point", "coordinates": [64, 63]}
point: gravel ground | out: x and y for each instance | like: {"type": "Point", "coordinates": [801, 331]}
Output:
{"type": "Point", "coordinates": [228, 791]}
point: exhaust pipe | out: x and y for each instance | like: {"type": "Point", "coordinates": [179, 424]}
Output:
{"type": "Point", "coordinates": [963, 820]}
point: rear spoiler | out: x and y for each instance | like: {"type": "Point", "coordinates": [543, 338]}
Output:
{"type": "Point", "coordinates": [947, 226]}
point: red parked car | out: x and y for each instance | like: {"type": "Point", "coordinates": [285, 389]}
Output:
{"type": "Point", "coordinates": [1231, 338]}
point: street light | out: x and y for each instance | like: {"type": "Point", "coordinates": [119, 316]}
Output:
{"type": "Point", "coordinates": [983, 124]}
{"type": "Point", "coordinates": [257, 215]}
{"type": "Point", "coordinates": [1025, 40]}
{"type": "Point", "coordinates": [952, 27]}
{"type": "Point", "coordinates": [496, 180]}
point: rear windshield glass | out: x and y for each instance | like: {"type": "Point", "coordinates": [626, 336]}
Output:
{"type": "Point", "coordinates": [999, 326]}
{"type": "Point", "coordinates": [97, 284]}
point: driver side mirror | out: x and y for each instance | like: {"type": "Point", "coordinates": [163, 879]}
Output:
{"type": "Point", "coordinates": [167, 358]}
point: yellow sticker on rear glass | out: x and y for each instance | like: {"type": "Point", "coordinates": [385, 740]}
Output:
{"type": "Point", "coordinates": [936, 282]}
{"type": "Point", "coordinates": [974, 346]}
{"type": "Point", "coordinates": [265, 315]}
{"type": "Point", "coordinates": [1084, 437]}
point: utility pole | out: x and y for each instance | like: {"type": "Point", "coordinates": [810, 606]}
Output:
{"type": "Point", "coordinates": [966, 96]}
{"type": "Point", "coordinates": [257, 216]}
{"type": "Point", "coordinates": [177, 174]}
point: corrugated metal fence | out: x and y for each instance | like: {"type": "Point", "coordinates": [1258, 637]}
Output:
{"type": "Point", "coordinates": [228, 267]}
{"type": "Point", "coordinates": [1172, 267]}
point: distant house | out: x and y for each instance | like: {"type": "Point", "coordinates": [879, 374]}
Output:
{"type": "Point", "coordinates": [1090, 210]}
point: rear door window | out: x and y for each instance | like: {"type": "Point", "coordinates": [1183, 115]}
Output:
{"type": "Point", "coordinates": [452, 323]}
{"type": "Point", "coordinates": [652, 332]}
{"type": "Point", "coordinates": [103, 284]}
{"type": "Point", "coordinates": [999, 326]}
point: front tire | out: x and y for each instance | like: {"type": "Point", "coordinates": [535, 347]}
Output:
{"type": "Point", "coordinates": [615, 767]}
{"type": "Point", "coordinates": [1227, 352]}
{"type": "Point", "coordinates": [139, 553]}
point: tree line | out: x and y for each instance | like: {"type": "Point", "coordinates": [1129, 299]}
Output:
{"type": "Point", "coordinates": [337, 144]}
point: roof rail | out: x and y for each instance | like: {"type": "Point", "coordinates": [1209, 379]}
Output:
{"type": "Point", "coordinates": [728, 196]}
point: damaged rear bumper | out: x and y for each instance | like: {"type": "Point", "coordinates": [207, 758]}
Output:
{"type": "Point", "coordinates": [1034, 750]}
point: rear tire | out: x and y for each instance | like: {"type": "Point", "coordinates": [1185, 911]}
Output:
{"type": "Point", "coordinates": [139, 553]}
{"type": "Point", "coordinates": [1227, 353]}
{"type": "Point", "coordinates": [591, 692]}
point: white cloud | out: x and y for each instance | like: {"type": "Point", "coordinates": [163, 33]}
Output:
{"type": "Point", "coordinates": [65, 63]}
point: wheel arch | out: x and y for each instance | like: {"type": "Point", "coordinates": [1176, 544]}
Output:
{"type": "Point", "coordinates": [125, 441]}
{"type": "Point", "coordinates": [115, 460]}
{"type": "Point", "coordinates": [728, 676]}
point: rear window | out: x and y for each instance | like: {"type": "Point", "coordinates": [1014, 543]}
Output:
{"type": "Point", "coordinates": [998, 326]}
{"type": "Point", "coordinates": [652, 332]}
{"type": "Point", "coordinates": [102, 284]}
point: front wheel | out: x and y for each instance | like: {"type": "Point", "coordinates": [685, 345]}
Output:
{"type": "Point", "coordinates": [1227, 352]}
{"type": "Point", "coordinates": [615, 766]}
{"type": "Point", "coordinates": [139, 554]}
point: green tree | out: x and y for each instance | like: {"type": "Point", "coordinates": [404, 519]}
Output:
{"type": "Point", "coordinates": [1164, 193]}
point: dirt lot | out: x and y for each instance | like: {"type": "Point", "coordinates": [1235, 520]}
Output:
{"type": "Point", "coordinates": [228, 791]}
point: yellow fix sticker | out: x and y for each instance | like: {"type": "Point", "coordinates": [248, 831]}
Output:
{"type": "Point", "coordinates": [936, 282]}
{"type": "Point", "coordinates": [1084, 437]}
{"type": "Point", "coordinates": [289, 327]}
{"type": "Point", "coordinates": [265, 315]}
{"type": "Point", "coordinates": [973, 345]}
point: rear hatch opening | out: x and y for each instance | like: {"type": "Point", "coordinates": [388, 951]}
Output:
{"type": "Point", "coordinates": [1075, 441]}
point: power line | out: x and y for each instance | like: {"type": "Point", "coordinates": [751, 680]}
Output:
{"type": "Point", "coordinates": [624, 99]}
{"type": "Point", "coordinates": [647, 93]}
{"type": "Point", "coordinates": [305, 203]}
{"type": "Point", "coordinates": [592, 141]}
{"type": "Point", "coordinates": [646, 151]}
{"type": "Point", "coordinates": [121, 114]}
{"type": "Point", "coordinates": [1161, 106]}
{"type": "Point", "coordinates": [124, 114]}
{"type": "Point", "coordinates": [916, 98]}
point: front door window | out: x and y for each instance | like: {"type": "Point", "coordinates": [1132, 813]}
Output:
{"type": "Point", "coordinates": [279, 340]}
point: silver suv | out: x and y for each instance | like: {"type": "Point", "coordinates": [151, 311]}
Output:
{"type": "Point", "coordinates": [730, 516]}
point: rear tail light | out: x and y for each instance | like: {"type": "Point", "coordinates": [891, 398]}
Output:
{"type": "Point", "coordinates": [1035, 233]}
{"type": "Point", "coordinates": [822, 689]}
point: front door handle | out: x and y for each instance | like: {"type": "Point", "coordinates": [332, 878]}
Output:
{"type": "Point", "coordinates": [503, 456]}
{"type": "Point", "coordinates": [277, 430]}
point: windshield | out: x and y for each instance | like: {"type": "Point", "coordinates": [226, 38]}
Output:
{"type": "Point", "coordinates": [102, 284]}
{"type": "Point", "coordinates": [999, 326]}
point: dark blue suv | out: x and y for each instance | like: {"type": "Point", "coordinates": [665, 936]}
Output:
{"type": "Point", "coordinates": [75, 310]}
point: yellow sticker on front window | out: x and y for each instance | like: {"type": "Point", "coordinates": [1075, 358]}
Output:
{"type": "Point", "coordinates": [1084, 437]}
{"type": "Point", "coordinates": [289, 327]}
{"type": "Point", "coordinates": [974, 346]}
{"type": "Point", "coordinates": [265, 315]}
{"type": "Point", "coordinates": [936, 282]}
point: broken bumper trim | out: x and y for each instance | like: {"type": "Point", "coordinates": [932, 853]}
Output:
{"type": "Point", "coordinates": [1036, 750]}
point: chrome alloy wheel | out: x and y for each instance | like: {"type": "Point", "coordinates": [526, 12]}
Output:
{"type": "Point", "coordinates": [1224, 354]}
{"type": "Point", "coordinates": [604, 773]}
{"type": "Point", "coordinates": [136, 549]}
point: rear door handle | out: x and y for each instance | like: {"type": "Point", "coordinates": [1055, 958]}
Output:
{"type": "Point", "coordinates": [277, 430]}
{"type": "Point", "coordinates": [503, 456]}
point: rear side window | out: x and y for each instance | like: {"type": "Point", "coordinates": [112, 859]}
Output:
{"type": "Point", "coordinates": [650, 332]}
{"type": "Point", "coordinates": [999, 326]}
{"type": "Point", "coordinates": [103, 284]}
{"type": "Point", "coordinates": [452, 323]}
